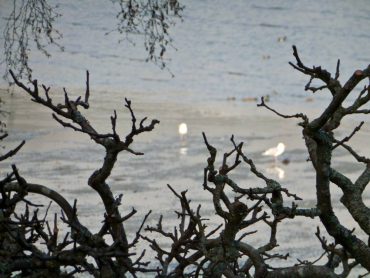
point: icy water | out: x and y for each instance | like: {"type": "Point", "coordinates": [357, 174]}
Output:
{"type": "Point", "coordinates": [228, 53]}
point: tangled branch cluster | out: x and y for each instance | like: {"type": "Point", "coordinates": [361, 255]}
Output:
{"type": "Point", "coordinates": [195, 249]}
{"type": "Point", "coordinates": [31, 21]}
{"type": "Point", "coordinates": [152, 19]}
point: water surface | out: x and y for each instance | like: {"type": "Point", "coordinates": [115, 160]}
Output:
{"type": "Point", "coordinates": [227, 52]}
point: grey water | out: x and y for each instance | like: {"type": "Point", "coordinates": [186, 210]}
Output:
{"type": "Point", "coordinates": [224, 52]}
{"type": "Point", "coordinates": [223, 49]}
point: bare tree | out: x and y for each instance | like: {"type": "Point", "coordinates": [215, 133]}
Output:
{"type": "Point", "coordinates": [225, 252]}
{"type": "Point", "coordinates": [111, 259]}
{"type": "Point", "coordinates": [196, 249]}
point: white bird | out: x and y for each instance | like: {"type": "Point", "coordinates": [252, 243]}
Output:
{"type": "Point", "coordinates": [183, 130]}
{"type": "Point", "coordinates": [275, 151]}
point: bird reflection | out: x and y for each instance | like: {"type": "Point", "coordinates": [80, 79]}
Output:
{"type": "Point", "coordinates": [183, 150]}
{"type": "Point", "coordinates": [275, 170]}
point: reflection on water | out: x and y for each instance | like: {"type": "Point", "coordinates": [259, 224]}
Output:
{"type": "Point", "coordinates": [276, 171]}
{"type": "Point", "coordinates": [183, 150]}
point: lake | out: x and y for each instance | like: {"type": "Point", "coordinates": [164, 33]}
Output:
{"type": "Point", "coordinates": [227, 54]}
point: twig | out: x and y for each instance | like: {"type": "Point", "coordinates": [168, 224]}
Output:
{"type": "Point", "coordinates": [347, 138]}
{"type": "Point", "coordinates": [299, 115]}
